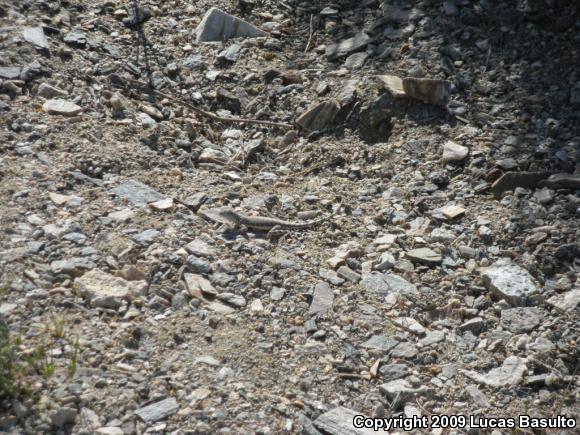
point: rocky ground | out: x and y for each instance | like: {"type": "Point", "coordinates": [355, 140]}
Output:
{"type": "Point", "coordinates": [444, 281]}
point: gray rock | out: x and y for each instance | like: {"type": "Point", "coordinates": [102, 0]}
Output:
{"type": "Point", "coordinates": [390, 372]}
{"type": "Point", "coordinates": [566, 301]}
{"type": "Point", "coordinates": [319, 116]}
{"type": "Point", "coordinates": [544, 196]}
{"type": "Point", "coordinates": [510, 373]}
{"type": "Point", "coordinates": [47, 91]}
{"type": "Point", "coordinates": [453, 152]}
{"type": "Point", "coordinates": [194, 62]}
{"type": "Point", "coordinates": [404, 350]}
{"type": "Point", "coordinates": [355, 61]}
{"type": "Point", "coordinates": [339, 421]}
{"type": "Point", "coordinates": [400, 391]}
{"type": "Point", "coordinates": [348, 274]}
{"type": "Point", "coordinates": [520, 320]}
{"type": "Point", "coordinates": [146, 121]}
{"type": "Point", "coordinates": [424, 256]}
{"type": "Point", "coordinates": [9, 72]}
{"type": "Point", "coordinates": [277, 293]}
{"type": "Point", "coordinates": [137, 193]}
{"type": "Point", "coordinates": [7, 308]}
{"type": "Point", "coordinates": [230, 54]}
{"type": "Point", "coordinates": [35, 36]}
{"type": "Point", "coordinates": [477, 396]}
{"type": "Point", "coordinates": [158, 411]}
{"type": "Point", "coordinates": [145, 238]}
{"type": "Point", "coordinates": [384, 283]}
{"type": "Point", "coordinates": [75, 38]}
{"type": "Point", "coordinates": [103, 290]}
{"type": "Point", "coordinates": [509, 281]}
{"type": "Point", "coordinates": [64, 416]}
{"type": "Point", "coordinates": [380, 342]}
{"type": "Point", "coordinates": [73, 266]}
{"type": "Point", "coordinates": [322, 299]}
{"type": "Point", "coordinates": [348, 46]}
{"type": "Point", "coordinates": [218, 25]}
{"type": "Point", "coordinates": [475, 326]}
{"type": "Point", "coordinates": [331, 276]}
{"type": "Point", "coordinates": [88, 420]}
{"type": "Point", "coordinates": [200, 248]}
{"type": "Point", "coordinates": [61, 107]}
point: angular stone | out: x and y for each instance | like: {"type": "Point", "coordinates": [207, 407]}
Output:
{"type": "Point", "coordinates": [158, 411]}
{"type": "Point", "coordinates": [348, 274]}
{"type": "Point", "coordinates": [137, 193]}
{"type": "Point", "coordinates": [200, 248]}
{"type": "Point", "coordinates": [424, 256]}
{"type": "Point", "coordinates": [566, 301]}
{"type": "Point", "coordinates": [6, 309]}
{"type": "Point", "coordinates": [121, 216]}
{"type": "Point", "coordinates": [452, 211]}
{"type": "Point", "coordinates": [431, 91]}
{"type": "Point", "coordinates": [35, 36]}
{"type": "Point", "coordinates": [509, 281]}
{"type": "Point", "coordinates": [162, 205]}
{"type": "Point", "coordinates": [401, 390]}
{"type": "Point", "coordinates": [107, 291]}
{"type": "Point", "coordinates": [322, 299]}
{"type": "Point", "coordinates": [521, 319]}
{"type": "Point", "coordinates": [384, 283]}
{"type": "Point", "coordinates": [218, 25]}
{"type": "Point", "coordinates": [562, 181]}
{"type": "Point", "coordinates": [393, 84]}
{"type": "Point", "coordinates": [319, 116]}
{"type": "Point", "coordinates": [73, 266]}
{"type": "Point", "coordinates": [477, 396]}
{"type": "Point", "coordinates": [453, 152]}
{"type": "Point", "coordinates": [47, 91]}
{"type": "Point", "coordinates": [380, 342]}
{"type": "Point", "coordinates": [355, 61]}
{"type": "Point", "coordinates": [510, 373]}
{"type": "Point", "coordinates": [145, 238]}
{"type": "Point", "coordinates": [64, 416]}
{"type": "Point", "coordinates": [339, 421]}
{"type": "Point", "coordinates": [511, 180]}
{"type": "Point", "coordinates": [348, 46]}
{"type": "Point", "coordinates": [404, 350]}
{"type": "Point", "coordinates": [390, 372]}
{"type": "Point", "coordinates": [9, 72]}
{"type": "Point", "coordinates": [410, 324]}
{"type": "Point", "coordinates": [61, 107]}
{"type": "Point", "coordinates": [197, 286]}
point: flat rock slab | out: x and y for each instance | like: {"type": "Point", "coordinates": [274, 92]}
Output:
{"type": "Point", "coordinates": [348, 46]}
{"type": "Point", "coordinates": [509, 281]}
{"type": "Point", "coordinates": [35, 36]}
{"type": "Point", "coordinates": [430, 91]}
{"type": "Point", "coordinates": [319, 116]}
{"type": "Point", "coordinates": [511, 180]}
{"type": "Point", "coordinates": [218, 25]}
{"type": "Point", "coordinates": [453, 152]}
{"type": "Point", "coordinates": [61, 107]}
{"type": "Point", "coordinates": [385, 283]}
{"type": "Point", "coordinates": [380, 342]}
{"type": "Point", "coordinates": [562, 181]}
{"type": "Point", "coordinates": [424, 256]}
{"type": "Point", "coordinates": [339, 421]}
{"type": "Point", "coordinates": [137, 193]}
{"type": "Point", "coordinates": [401, 390]}
{"type": "Point", "coordinates": [158, 411]}
{"type": "Point", "coordinates": [322, 299]}
{"type": "Point", "coordinates": [452, 211]}
{"type": "Point", "coordinates": [520, 320]}
{"type": "Point", "coordinates": [10, 72]}
{"type": "Point", "coordinates": [566, 301]}
{"type": "Point", "coordinates": [393, 84]}
{"type": "Point", "coordinates": [510, 373]}
{"type": "Point", "coordinates": [107, 291]}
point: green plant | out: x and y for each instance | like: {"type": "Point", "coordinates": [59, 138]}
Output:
{"type": "Point", "coordinates": [72, 366]}
{"type": "Point", "coordinates": [8, 369]}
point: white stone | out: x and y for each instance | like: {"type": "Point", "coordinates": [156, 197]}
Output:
{"type": "Point", "coordinates": [218, 25]}
{"type": "Point", "coordinates": [453, 152]}
{"type": "Point", "coordinates": [107, 291]}
{"type": "Point", "coordinates": [61, 107]}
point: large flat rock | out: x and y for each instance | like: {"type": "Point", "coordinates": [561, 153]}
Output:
{"type": "Point", "coordinates": [509, 281]}
{"type": "Point", "coordinates": [319, 116]}
{"type": "Point", "coordinates": [61, 107]}
{"type": "Point", "coordinates": [218, 25]}
{"type": "Point", "coordinates": [348, 46]}
{"type": "Point", "coordinates": [107, 291]}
